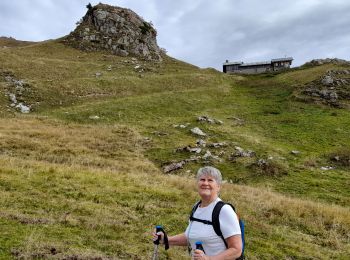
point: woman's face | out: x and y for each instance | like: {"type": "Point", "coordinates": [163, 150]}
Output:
{"type": "Point", "coordinates": [208, 188]}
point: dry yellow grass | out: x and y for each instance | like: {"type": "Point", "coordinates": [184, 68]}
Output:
{"type": "Point", "coordinates": [48, 140]}
{"type": "Point", "coordinates": [88, 191]}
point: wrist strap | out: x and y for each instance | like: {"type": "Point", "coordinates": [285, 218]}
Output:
{"type": "Point", "coordinates": [166, 241]}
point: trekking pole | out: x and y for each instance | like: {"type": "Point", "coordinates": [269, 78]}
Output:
{"type": "Point", "coordinates": [199, 246]}
{"type": "Point", "coordinates": [156, 244]}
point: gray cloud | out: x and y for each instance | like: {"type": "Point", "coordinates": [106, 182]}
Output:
{"type": "Point", "coordinates": [206, 32]}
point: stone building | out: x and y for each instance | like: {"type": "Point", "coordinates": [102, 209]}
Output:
{"type": "Point", "coordinates": [257, 67]}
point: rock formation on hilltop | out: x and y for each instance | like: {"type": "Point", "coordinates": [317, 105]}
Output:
{"type": "Point", "coordinates": [115, 29]}
{"type": "Point", "coordinates": [332, 88]}
{"type": "Point", "coordinates": [317, 62]}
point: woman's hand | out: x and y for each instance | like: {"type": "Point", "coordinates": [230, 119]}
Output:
{"type": "Point", "coordinates": [199, 255]}
{"type": "Point", "coordinates": [160, 235]}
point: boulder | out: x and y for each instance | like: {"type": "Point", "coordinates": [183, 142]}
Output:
{"type": "Point", "coordinates": [197, 131]}
{"type": "Point", "coordinates": [117, 30]}
{"type": "Point", "coordinates": [327, 80]}
{"type": "Point", "coordinates": [173, 166]}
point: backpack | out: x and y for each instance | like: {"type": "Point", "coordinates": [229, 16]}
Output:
{"type": "Point", "coordinates": [216, 223]}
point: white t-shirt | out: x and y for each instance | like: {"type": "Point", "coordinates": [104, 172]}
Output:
{"type": "Point", "coordinates": [212, 243]}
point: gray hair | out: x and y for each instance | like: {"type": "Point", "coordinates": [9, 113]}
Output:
{"type": "Point", "coordinates": [210, 171]}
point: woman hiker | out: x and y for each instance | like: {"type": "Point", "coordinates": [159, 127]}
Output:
{"type": "Point", "coordinates": [209, 181]}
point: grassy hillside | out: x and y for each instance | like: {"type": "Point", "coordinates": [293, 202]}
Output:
{"type": "Point", "coordinates": [8, 42]}
{"type": "Point", "coordinates": [82, 178]}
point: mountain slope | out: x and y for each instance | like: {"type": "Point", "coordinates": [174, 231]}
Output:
{"type": "Point", "coordinates": [82, 177]}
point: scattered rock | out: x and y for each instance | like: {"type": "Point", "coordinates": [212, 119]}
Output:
{"type": "Point", "coordinates": [194, 159]}
{"type": "Point", "coordinates": [147, 139]}
{"type": "Point", "coordinates": [198, 132]}
{"type": "Point", "coordinates": [98, 74]}
{"type": "Point", "coordinates": [195, 150]}
{"type": "Point", "coordinates": [189, 149]}
{"type": "Point", "coordinates": [23, 108]}
{"type": "Point", "coordinates": [295, 152]}
{"type": "Point", "coordinates": [181, 126]}
{"type": "Point", "coordinates": [262, 162]}
{"type": "Point", "coordinates": [173, 167]}
{"type": "Point", "coordinates": [209, 156]}
{"type": "Point", "coordinates": [240, 152]}
{"type": "Point", "coordinates": [327, 168]}
{"type": "Point", "coordinates": [209, 120]}
{"type": "Point", "coordinates": [218, 145]}
{"type": "Point", "coordinates": [94, 117]}
{"type": "Point", "coordinates": [201, 143]}
{"type": "Point", "coordinates": [15, 91]}
{"type": "Point", "coordinates": [13, 98]}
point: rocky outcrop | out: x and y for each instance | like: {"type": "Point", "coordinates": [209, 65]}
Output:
{"type": "Point", "coordinates": [318, 62]}
{"type": "Point", "coordinates": [16, 90]}
{"type": "Point", "coordinates": [333, 88]}
{"type": "Point", "coordinates": [117, 30]}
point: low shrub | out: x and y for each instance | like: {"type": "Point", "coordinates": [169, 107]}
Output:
{"type": "Point", "coordinates": [341, 157]}
{"type": "Point", "coordinates": [269, 168]}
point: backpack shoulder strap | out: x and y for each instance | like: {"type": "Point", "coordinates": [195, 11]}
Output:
{"type": "Point", "coordinates": [194, 208]}
{"type": "Point", "coordinates": [216, 224]}
{"type": "Point", "coordinates": [207, 222]}
{"type": "Point", "coordinates": [215, 218]}
{"type": "Point", "coordinates": [216, 221]}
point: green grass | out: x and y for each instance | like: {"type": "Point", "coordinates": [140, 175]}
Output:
{"type": "Point", "coordinates": [72, 185]}
{"type": "Point", "coordinates": [274, 125]}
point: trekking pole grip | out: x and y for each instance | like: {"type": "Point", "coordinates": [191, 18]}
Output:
{"type": "Point", "coordinates": [166, 241]}
{"type": "Point", "coordinates": [158, 229]}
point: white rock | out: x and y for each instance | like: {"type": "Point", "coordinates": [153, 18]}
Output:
{"type": "Point", "coordinates": [13, 98]}
{"type": "Point", "coordinates": [208, 155]}
{"type": "Point", "coordinates": [327, 80]}
{"type": "Point", "coordinates": [94, 117]}
{"type": "Point", "coordinates": [197, 131]}
{"type": "Point", "coordinates": [195, 150]}
{"type": "Point", "coordinates": [24, 109]}
{"type": "Point", "coordinates": [326, 168]}
{"type": "Point", "coordinates": [201, 142]}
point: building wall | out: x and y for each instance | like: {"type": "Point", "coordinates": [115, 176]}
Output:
{"type": "Point", "coordinates": [247, 69]}
{"type": "Point", "coordinates": [281, 65]}
{"type": "Point", "coordinates": [231, 68]}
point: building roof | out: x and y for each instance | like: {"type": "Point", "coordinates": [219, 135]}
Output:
{"type": "Point", "coordinates": [256, 63]}
{"type": "Point", "coordinates": [241, 63]}
{"type": "Point", "coordinates": [233, 63]}
{"type": "Point", "coordinates": [282, 59]}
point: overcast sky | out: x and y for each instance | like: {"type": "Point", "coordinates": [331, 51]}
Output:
{"type": "Point", "coordinates": [205, 32]}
